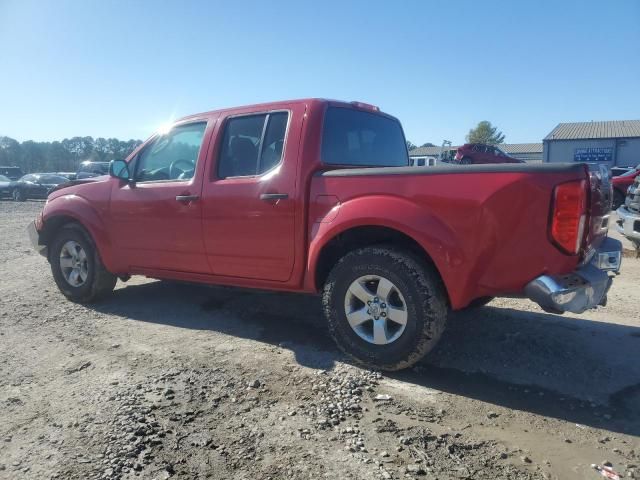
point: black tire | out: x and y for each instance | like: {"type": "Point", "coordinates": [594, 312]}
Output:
{"type": "Point", "coordinates": [18, 195]}
{"type": "Point", "coordinates": [99, 282]}
{"type": "Point", "coordinates": [479, 302]}
{"type": "Point", "coordinates": [618, 199]}
{"type": "Point", "coordinates": [424, 299]}
{"type": "Point", "coordinates": [466, 161]}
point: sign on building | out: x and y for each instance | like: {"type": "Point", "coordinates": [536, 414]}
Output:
{"type": "Point", "coordinates": [604, 154]}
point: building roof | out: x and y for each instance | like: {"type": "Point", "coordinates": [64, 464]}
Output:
{"type": "Point", "coordinates": [588, 130]}
{"type": "Point", "coordinates": [521, 147]}
{"type": "Point", "coordinates": [506, 147]}
{"type": "Point", "coordinates": [421, 151]}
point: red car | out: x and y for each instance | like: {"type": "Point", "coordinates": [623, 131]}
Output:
{"type": "Point", "coordinates": [475, 153]}
{"type": "Point", "coordinates": [317, 196]}
{"type": "Point", "coordinates": [620, 185]}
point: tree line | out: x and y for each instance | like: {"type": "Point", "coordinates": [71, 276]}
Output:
{"type": "Point", "coordinates": [484, 133]}
{"type": "Point", "coordinates": [62, 156]}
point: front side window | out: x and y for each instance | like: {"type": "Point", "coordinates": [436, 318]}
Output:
{"type": "Point", "coordinates": [171, 156]}
{"type": "Point", "coordinates": [252, 145]}
{"type": "Point", "coordinates": [356, 138]}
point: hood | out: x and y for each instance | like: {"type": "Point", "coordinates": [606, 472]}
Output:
{"type": "Point", "coordinates": [82, 181]}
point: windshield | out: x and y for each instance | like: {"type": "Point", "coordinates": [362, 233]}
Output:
{"type": "Point", "coordinates": [356, 138]}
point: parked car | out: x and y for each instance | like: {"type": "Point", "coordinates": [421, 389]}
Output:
{"type": "Point", "coordinates": [628, 222]}
{"type": "Point", "coordinates": [476, 153]}
{"type": "Point", "coordinates": [617, 171]}
{"type": "Point", "coordinates": [621, 184]}
{"type": "Point", "coordinates": [69, 175]}
{"type": "Point", "coordinates": [5, 186]}
{"type": "Point", "coordinates": [423, 161]}
{"type": "Point", "coordinates": [317, 196]}
{"type": "Point", "coordinates": [13, 173]}
{"type": "Point", "coordinates": [35, 185]}
{"type": "Point", "coordinates": [90, 169]}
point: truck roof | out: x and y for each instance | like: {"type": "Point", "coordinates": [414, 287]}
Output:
{"type": "Point", "coordinates": [283, 103]}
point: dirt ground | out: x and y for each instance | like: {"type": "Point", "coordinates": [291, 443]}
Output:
{"type": "Point", "coordinates": [180, 381]}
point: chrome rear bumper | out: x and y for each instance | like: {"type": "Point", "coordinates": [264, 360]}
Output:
{"type": "Point", "coordinates": [581, 290]}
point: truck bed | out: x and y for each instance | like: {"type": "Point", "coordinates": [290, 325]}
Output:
{"type": "Point", "coordinates": [484, 226]}
{"type": "Point", "coordinates": [459, 169]}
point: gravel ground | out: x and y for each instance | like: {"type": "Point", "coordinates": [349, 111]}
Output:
{"type": "Point", "coordinates": [180, 381]}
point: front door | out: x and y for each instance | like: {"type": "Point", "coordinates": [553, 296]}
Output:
{"type": "Point", "coordinates": [157, 220]}
{"type": "Point", "coordinates": [250, 195]}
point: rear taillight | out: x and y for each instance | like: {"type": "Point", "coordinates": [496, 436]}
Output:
{"type": "Point", "coordinates": [569, 215]}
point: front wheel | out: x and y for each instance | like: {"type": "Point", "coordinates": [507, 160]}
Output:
{"type": "Point", "coordinates": [77, 268]}
{"type": "Point", "coordinates": [385, 309]}
{"type": "Point", "coordinates": [466, 161]}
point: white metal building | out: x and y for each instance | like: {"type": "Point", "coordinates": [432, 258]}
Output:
{"type": "Point", "coordinates": [613, 143]}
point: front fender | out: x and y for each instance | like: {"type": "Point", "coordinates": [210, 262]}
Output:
{"type": "Point", "coordinates": [87, 214]}
{"type": "Point", "coordinates": [432, 233]}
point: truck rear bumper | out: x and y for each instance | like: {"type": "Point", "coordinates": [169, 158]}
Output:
{"type": "Point", "coordinates": [34, 238]}
{"type": "Point", "coordinates": [581, 290]}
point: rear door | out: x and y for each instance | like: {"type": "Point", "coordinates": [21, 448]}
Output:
{"type": "Point", "coordinates": [157, 220]}
{"type": "Point", "coordinates": [249, 197]}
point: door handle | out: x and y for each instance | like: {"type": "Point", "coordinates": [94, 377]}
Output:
{"type": "Point", "coordinates": [187, 198]}
{"type": "Point", "coordinates": [267, 197]}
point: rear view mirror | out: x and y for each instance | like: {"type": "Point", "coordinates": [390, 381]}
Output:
{"type": "Point", "coordinates": [119, 169]}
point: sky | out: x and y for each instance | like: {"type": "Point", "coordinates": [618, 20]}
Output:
{"type": "Point", "coordinates": [121, 69]}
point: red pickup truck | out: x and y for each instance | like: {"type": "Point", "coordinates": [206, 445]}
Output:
{"type": "Point", "coordinates": [317, 196]}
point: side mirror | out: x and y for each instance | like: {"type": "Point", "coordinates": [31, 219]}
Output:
{"type": "Point", "coordinates": [119, 169]}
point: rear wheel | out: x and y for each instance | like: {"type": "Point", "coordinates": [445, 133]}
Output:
{"type": "Point", "coordinates": [618, 199]}
{"type": "Point", "coordinates": [385, 309]}
{"type": "Point", "coordinates": [77, 268]}
{"type": "Point", "coordinates": [18, 195]}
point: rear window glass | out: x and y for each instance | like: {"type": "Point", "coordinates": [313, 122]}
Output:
{"type": "Point", "coordinates": [250, 149]}
{"type": "Point", "coordinates": [354, 137]}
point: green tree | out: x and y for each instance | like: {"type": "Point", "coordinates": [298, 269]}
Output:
{"type": "Point", "coordinates": [411, 146]}
{"type": "Point", "coordinates": [428, 144]}
{"type": "Point", "coordinates": [64, 156]}
{"type": "Point", "coordinates": [485, 133]}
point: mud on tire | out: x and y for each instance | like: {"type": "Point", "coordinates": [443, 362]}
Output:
{"type": "Point", "coordinates": [99, 282]}
{"type": "Point", "coordinates": [417, 284]}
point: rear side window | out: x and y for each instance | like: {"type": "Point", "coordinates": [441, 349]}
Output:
{"type": "Point", "coordinates": [252, 145]}
{"type": "Point", "coordinates": [357, 138]}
